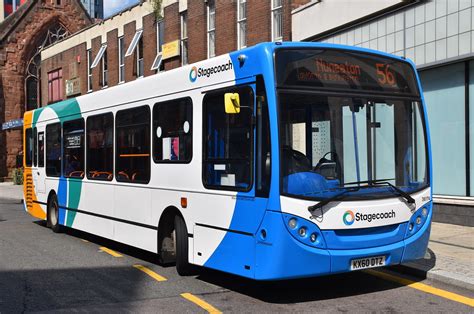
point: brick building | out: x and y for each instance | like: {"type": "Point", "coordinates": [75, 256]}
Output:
{"type": "Point", "coordinates": [23, 33]}
{"type": "Point", "coordinates": [129, 45]}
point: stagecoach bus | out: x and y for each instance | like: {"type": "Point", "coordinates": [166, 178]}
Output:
{"type": "Point", "coordinates": [281, 160]}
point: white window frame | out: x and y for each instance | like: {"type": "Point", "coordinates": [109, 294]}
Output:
{"type": "Point", "coordinates": [158, 59]}
{"type": "Point", "coordinates": [184, 37]}
{"type": "Point", "coordinates": [134, 43]}
{"type": "Point", "coordinates": [277, 9]}
{"type": "Point", "coordinates": [89, 71]}
{"type": "Point", "coordinates": [105, 71]}
{"type": "Point", "coordinates": [99, 55]}
{"type": "Point", "coordinates": [240, 22]}
{"type": "Point", "coordinates": [142, 59]}
{"type": "Point", "coordinates": [121, 65]}
{"type": "Point", "coordinates": [211, 31]}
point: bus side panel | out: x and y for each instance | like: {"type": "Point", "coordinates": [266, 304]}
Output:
{"type": "Point", "coordinates": [96, 198]}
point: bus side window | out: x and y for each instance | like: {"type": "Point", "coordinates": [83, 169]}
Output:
{"type": "Point", "coordinates": [53, 150]}
{"type": "Point", "coordinates": [132, 163]}
{"type": "Point", "coordinates": [100, 147]}
{"type": "Point", "coordinates": [35, 147]}
{"type": "Point", "coordinates": [172, 131]}
{"type": "Point", "coordinates": [228, 142]}
{"type": "Point", "coordinates": [29, 147]}
{"type": "Point", "coordinates": [41, 149]}
{"type": "Point", "coordinates": [73, 149]}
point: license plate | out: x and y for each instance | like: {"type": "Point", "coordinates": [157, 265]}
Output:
{"type": "Point", "coordinates": [367, 262]}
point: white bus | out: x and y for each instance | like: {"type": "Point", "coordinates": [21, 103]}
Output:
{"type": "Point", "coordinates": [282, 160]}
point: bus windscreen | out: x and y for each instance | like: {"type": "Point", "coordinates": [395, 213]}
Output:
{"type": "Point", "coordinates": [344, 70]}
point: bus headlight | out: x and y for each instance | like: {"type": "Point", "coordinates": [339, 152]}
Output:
{"type": "Point", "coordinates": [410, 227]}
{"type": "Point", "coordinates": [418, 220]}
{"type": "Point", "coordinates": [292, 223]}
{"type": "Point", "coordinates": [302, 232]}
{"type": "Point", "coordinates": [424, 211]}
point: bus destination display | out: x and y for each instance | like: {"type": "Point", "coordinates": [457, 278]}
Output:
{"type": "Point", "coordinates": [344, 70]}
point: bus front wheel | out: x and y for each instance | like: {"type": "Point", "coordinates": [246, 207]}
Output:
{"type": "Point", "coordinates": [183, 267]}
{"type": "Point", "coordinates": [53, 215]}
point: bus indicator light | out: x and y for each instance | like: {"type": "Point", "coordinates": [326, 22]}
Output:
{"type": "Point", "coordinates": [184, 202]}
{"type": "Point", "coordinates": [292, 223]}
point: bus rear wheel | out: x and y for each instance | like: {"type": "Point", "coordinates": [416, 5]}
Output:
{"type": "Point", "coordinates": [53, 215]}
{"type": "Point", "coordinates": [183, 267]}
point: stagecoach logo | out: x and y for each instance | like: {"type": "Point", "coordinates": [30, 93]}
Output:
{"type": "Point", "coordinates": [208, 72]}
{"type": "Point", "coordinates": [348, 218]}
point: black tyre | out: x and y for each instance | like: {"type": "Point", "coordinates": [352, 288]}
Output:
{"type": "Point", "coordinates": [53, 215]}
{"type": "Point", "coordinates": [183, 266]}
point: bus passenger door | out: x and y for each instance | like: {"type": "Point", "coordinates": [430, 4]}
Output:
{"type": "Point", "coordinates": [235, 202]}
{"type": "Point", "coordinates": [39, 174]}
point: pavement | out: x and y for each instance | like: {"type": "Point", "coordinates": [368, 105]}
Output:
{"type": "Point", "coordinates": [449, 258]}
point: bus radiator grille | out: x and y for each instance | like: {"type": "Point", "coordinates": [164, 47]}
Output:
{"type": "Point", "coordinates": [29, 191]}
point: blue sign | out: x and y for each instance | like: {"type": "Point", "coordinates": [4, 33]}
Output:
{"type": "Point", "coordinates": [12, 124]}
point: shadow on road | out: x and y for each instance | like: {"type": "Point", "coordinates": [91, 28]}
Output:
{"type": "Point", "coordinates": [277, 292]}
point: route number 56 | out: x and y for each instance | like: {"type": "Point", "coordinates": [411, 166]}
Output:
{"type": "Point", "coordinates": [385, 75]}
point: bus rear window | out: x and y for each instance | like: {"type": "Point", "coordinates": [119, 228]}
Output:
{"type": "Point", "coordinates": [346, 70]}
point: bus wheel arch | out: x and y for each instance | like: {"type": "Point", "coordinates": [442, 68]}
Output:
{"type": "Point", "coordinates": [173, 241]}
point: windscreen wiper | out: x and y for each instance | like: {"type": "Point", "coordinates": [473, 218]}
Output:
{"type": "Point", "coordinates": [326, 201]}
{"type": "Point", "coordinates": [405, 195]}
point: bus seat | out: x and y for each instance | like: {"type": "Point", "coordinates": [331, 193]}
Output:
{"type": "Point", "coordinates": [76, 174]}
{"type": "Point", "coordinates": [122, 175]}
{"type": "Point", "coordinates": [134, 176]}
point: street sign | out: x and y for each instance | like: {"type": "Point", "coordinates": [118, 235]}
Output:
{"type": "Point", "coordinates": [12, 124]}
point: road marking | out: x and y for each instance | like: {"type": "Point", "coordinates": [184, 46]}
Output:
{"type": "Point", "coordinates": [201, 303]}
{"type": "Point", "coordinates": [109, 251]}
{"type": "Point", "coordinates": [150, 272]}
{"type": "Point", "coordinates": [422, 287]}
{"type": "Point", "coordinates": [84, 241]}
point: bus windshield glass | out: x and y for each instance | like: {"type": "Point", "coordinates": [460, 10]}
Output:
{"type": "Point", "coordinates": [341, 142]}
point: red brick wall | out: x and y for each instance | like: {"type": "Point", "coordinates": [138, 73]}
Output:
{"type": "Point", "coordinates": [97, 71]}
{"type": "Point", "coordinates": [172, 32]}
{"type": "Point", "coordinates": [130, 61]}
{"type": "Point", "coordinates": [149, 43]}
{"type": "Point", "coordinates": [258, 22]}
{"type": "Point", "coordinates": [226, 36]}
{"type": "Point", "coordinates": [197, 31]}
{"type": "Point", "coordinates": [112, 57]}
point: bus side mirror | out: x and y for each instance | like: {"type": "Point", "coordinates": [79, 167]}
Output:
{"type": "Point", "coordinates": [232, 103]}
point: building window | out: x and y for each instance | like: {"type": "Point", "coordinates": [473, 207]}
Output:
{"type": "Point", "coordinates": [53, 150]}
{"type": "Point", "coordinates": [241, 24]}
{"type": "Point", "coordinates": [277, 21]}
{"type": "Point", "coordinates": [121, 59]}
{"type": "Point", "coordinates": [160, 35]}
{"type": "Point", "coordinates": [73, 149]}
{"type": "Point", "coordinates": [55, 86]}
{"type": "Point", "coordinates": [172, 136]}
{"type": "Point", "coordinates": [134, 43]}
{"type": "Point", "coordinates": [89, 71]}
{"type": "Point", "coordinates": [211, 28]}
{"type": "Point", "coordinates": [100, 147]}
{"type": "Point", "coordinates": [139, 58]}
{"type": "Point", "coordinates": [133, 145]}
{"type": "Point", "coordinates": [441, 86]}
{"type": "Point", "coordinates": [105, 71]}
{"type": "Point", "coordinates": [184, 38]}
{"type": "Point", "coordinates": [228, 138]}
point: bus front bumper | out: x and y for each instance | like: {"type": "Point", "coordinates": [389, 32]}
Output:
{"type": "Point", "coordinates": [280, 256]}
